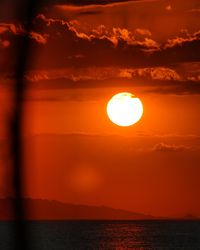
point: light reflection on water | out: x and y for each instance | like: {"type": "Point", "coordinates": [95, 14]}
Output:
{"type": "Point", "coordinates": [108, 235]}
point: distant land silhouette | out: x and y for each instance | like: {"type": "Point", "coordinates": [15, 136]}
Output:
{"type": "Point", "coordinates": [41, 209]}
{"type": "Point", "coordinates": [38, 209]}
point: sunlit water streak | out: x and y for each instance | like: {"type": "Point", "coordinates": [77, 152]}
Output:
{"type": "Point", "coordinates": [107, 235]}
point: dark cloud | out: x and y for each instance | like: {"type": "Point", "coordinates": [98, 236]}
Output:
{"type": "Point", "coordinates": [90, 12]}
{"type": "Point", "coordinates": [11, 36]}
{"type": "Point", "coordinates": [147, 85]}
{"type": "Point", "coordinates": [86, 2]}
{"type": "Point", "coordinates": [58, 44]}
{"type": "Point", "coordinates": [158, 79]}
{"type": "Point", "coordinates": [116, 47]}
{"type": "Point", "coordinates": [181, 88]}
{"type": "Point", "coordinates": [106, 73]}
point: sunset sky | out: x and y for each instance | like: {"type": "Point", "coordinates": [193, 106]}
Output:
{"type": "Point", "coordinates": [82, 53]}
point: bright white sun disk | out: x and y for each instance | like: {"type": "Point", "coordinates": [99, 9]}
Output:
{"type": "Point", "coordinates": [124, 109]}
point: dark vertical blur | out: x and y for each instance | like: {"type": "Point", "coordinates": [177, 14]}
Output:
{"type": "Point", "coordinates": [26, 12]}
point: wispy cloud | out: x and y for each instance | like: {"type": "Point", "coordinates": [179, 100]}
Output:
{"type": "Point", "coordinates": [164, 148]}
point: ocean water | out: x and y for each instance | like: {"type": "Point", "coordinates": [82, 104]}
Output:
{"type": "Point", "coordinates": [106, 235]}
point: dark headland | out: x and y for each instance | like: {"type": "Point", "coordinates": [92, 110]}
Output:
{"type": "Point", "coordinates": [38, 209]}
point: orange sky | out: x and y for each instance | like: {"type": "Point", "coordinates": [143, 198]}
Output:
{"type": "Point", "coordinates": [82, 54]}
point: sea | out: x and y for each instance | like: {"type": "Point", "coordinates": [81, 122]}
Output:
{"type": "Point", "coordinates": [104, 235]}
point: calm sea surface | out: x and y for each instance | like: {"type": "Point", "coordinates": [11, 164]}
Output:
{"type": "Point", "coordinates": [108, 235]}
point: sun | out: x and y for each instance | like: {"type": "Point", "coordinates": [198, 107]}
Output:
{"type": "Point", "coordinates": [124, 109]}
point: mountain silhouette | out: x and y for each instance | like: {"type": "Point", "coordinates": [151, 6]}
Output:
{"type": "Point", "coordinates": [190, 217]}
{"type": "Point", "coordinates": [38, 209]}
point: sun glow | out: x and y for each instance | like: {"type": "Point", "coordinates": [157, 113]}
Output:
{"type": "Point", "coordinates": [124, 109]}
